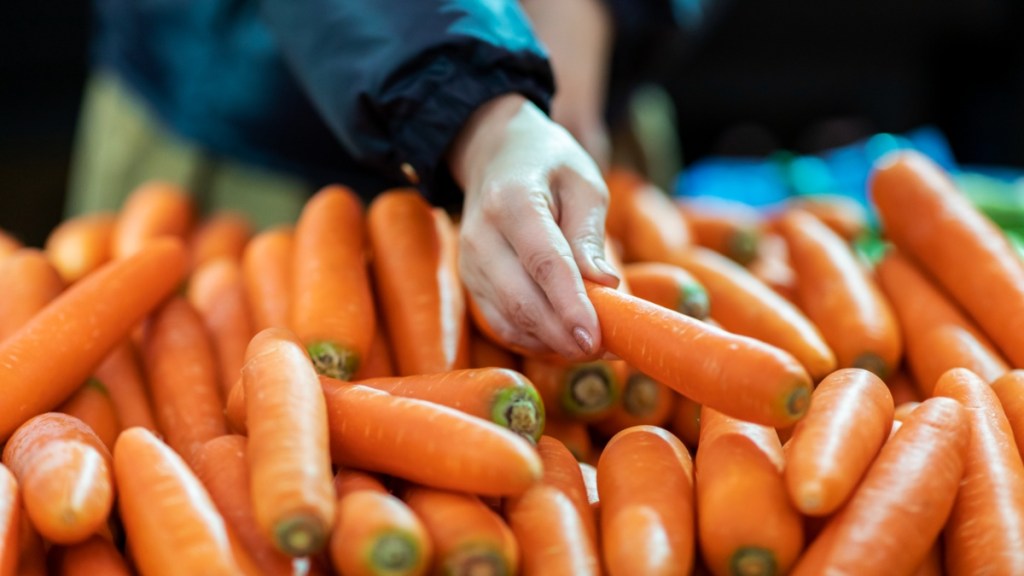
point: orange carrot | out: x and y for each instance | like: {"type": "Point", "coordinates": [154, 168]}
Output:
{"type": "Point", "coordinates": [644, 400]}
{"type": "Point", "coordinates": [421, 297]}
{"type": "Point", "coordinates": [8, 243]}
{"type": "Point", "coordinates": [267, 273]}
{"type": "Point", "coordinates": [742, 376]}
{"type": "Point", "coordinates": [217, 291]}
{"type": "Point", "coordinates": [985, 531]}
{"type": "Point", "coordinates": [171, 524]}
{"type": "Point", "coordinates": [685, 421]}
{"type": "Point", "coordinates": [425, 442]}
{"type": "Point", "coordinates": [486, 353]}
{"type": "Point", "coordinates": [932, 565]}
{"type": "Point", "coordinates": [121, 375]}
{"type": "Point", "coordinates": [833, 446]}
{"type": "Point", "coordinates": [64, 473]}
{"type": "Point", "coordinates": [93, 405]}
{"type": "Point", "coordinates": [903, 388]}
{"type": "Point", "coordinates": [30, 283]}
{"type": "Point", "coordinates": [585, 391]}
{"type": "Point", "coordinates": [80, 244]}
{"type": "Point", "coordinates": [574, 434]}
{"type": "Point", "coordinates": [668, 285]}
{"type": "Point", "coordinates": [901, 505]}
{"type": "Point", "coordinates": [930, 319]}
{"type": "Point", "coordinates": [562, 471]}
{"type": "Point", "coordinates": [773, 267]}
{"type": "Point", "coordinates": [289, 459]}
{"type": "Point", "coordinates": [842, 214]}
{"type": "Point", "coordinates": [91, 557]}
{"type": "Point", "coordinates": [222, 466]}
{"type": "Point", "coordinates": [379, 363]}
{"type": "Point", "coordinates": [655, 231]}
{"type": "Point", "coordinates": [376, 533]}
{"type": "Point", "coordinates": [331, 307]}
{"type": "Point", "coordinates": [903, 411]}
{"type": "Point", "coordinates": [10, 522]}
{"type": "Point", "coordinates": [621, 183]}
{"type": "Point", "coordinates": [728, 227]}
{"type": "Point", "coordinates": [740, 478]}
{"type": "Point", "coordinates": [925, 216]}
{"type": "Point", "coordinates": [153, 210]}
{"type": "Point", "coordinates": [745, 305]}
{"type": "Point", "coordinates": [469, 538]}
{"type": "Point", "coordinates": [837, 294]}
{"type": "Point", "coordinates": [182, 373]}
{"type": "Point", "coordinates": [499, 395]}
{"type": "Point", "coordinates": [222, 234]}
{"type": "Point", "coordinates": [1010, 389]}
{"type": "Point", "coordinates": [31, 549]}
{"type": "Point", "coordinates": [100, 310]}
{"type": "Point", "coordinates": [551, 534]}
{"type": "Point", "coordinates": [646, 485]}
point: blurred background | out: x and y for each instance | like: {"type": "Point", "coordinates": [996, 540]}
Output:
{"type": "Point", "coordinates": [759, 82]}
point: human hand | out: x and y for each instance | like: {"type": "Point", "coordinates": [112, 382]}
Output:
{"type": "Point", "coordinates": [532, 228]}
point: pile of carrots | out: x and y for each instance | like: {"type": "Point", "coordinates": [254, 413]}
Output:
{"type": "Point", "coordinates": [183, 394]}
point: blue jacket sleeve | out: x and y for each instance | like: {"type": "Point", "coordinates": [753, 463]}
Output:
{"type": "Point", "coordinates": [396, 79]}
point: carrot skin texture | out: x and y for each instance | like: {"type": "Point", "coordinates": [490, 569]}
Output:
{"type": "Point", "coordinates": [562, 471]}
{"type": "Point", "coordinates": [219, 235]}
{"type": "Point", "coordinates": [91, 557]}
{"type": "Point", "coordinates": [79, 245]}
{"type": "Point", "coordinates": [833, 446]}
{"type": "Point", "coordinates": [985, 530]}
{"type": "Point", "coordinates": [551, 534]}
{"type": "Point", "coordinates": [928, 219]}
{"type": "Point", "coordinates": [376, 533]}
{"type": "Point", "coordinates": [759, 382]}
{"type": "Point", "coordinates": [99, 310]}
{"type": "Point", "coordinates": [267, 274]}
{"type": "Point", "coordinates": [153, 210]}
{"type": "Point", "coordinates": [1010, 390]}
{"type": "Point", "coordinates": [668, 285]}
{"type": "Point", "coordinates": [10, 522]}
{"type": "Point", "coordinates": [907, 496]}
{"type": "Point", "coordinates": [369, 428]}
{"type": "Point", "coordinates": [217, 291]}
{"type": "Point", "coordinates": [92, 404]}
{"type": "Point", "coordinates": [122, 376]}
{"type": "Point", "coordinates": [30, 283]}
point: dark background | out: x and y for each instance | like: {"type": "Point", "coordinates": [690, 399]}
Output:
{"type": "Point", "coordinates": [797, 74]}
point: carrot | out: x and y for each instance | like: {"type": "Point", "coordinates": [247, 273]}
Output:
{"type": "Point", "coordinates": [81, 244]}
{"type": "Point", "coordinates": [223, 234]}
{"type": "Point", "coordinates": [469, 538]}
{"type": "Point", "coordinates": [644, 400]}
{"type": "Point", "coordinates": [234, 409]}
{"type": "Point", "coordinates": [895, 516]}
{"type": "Point", "coordinates": [833, 446]}
{"type": "Point", "coordinates": [289, 459]}
{"type": "Point", "coordinates": [589, 472]}
{"type": "Point", "coordinates": [773, 267]}
{"type": "Point", "coordinates": [93, 405]}
{"type": "Point", "coordinates": [646, 486]}
{"type": "Point", "coordinates": [64, 472]}
{"type": "Point", "coordinates": [376, 533]}
{"type": "Point", "coordinates": [903, 388]}
{"type": "Point", "coordinates": [91, 557]}
{"type": "Point", "coordinates": [742, 376]}
{"type": "Point", "coordinates": [562, 472]}
{"type": "Point", "coordinates": [502, 396]}
{"type": "Point", "coordinates": [217, 292]}
{"type": "Point", "coordinates": [1010, 389]}
{"type": "Point", "coordinates": [685, 422]}
{"type": "Point", "coordinates": [938, 336]}
{"type": "Point", "coordinates": [331, 306]}
{"type": "Point", "coordinates": [379, 362]}
{"type": "Point", "coordinates": [152, 210]}
{"type": "Point", "coordinates": [550, 533]}
{"type": "Point", "coordinates": [486, 353]}
{"type": "Point", "coordinates": [925, 216]}
{"type": "Point", "coordinates": [8, 243]}
{"type": "Point", "coordinates": [932, 565]}
{"type": "Point", "coordinates": [182, 373]}
{"type": "Point", "coordinates": [728, 227]}
{"type": "Point", "coordinates": [425, 442]}
{"type": "Point", "coordinates": [221, 464]}
{"type": "Point", "coordinates": [903, 411]}
{"type": "Point", "coordinates": [668, 285]}
{"type": "Point", "coordinates": [621, 182]}
{"type": "Point", "coordinates": [574, 434]}
{"type": "Point", "coordinates": [122, 377]}
{"type": "Point", "coordinates": [746, 523]}
{"type": "Point", "coordinates": [985, 531]}
{"type": "Point", "coordinates": [31, 549]}
{"type": "Point", "coordinates": [171, 524]}
{"type": "Point", "coordinates": [584, 391]}
{"type": "Point", "coordinates": [30, 283]}
{"type": "Point", "coordinates": [844, 215]}
{"type": "Point", "coordinates": [836, 293]}
{"type": "Point", "coordinates": [10, 522]}
{"type": "Point", "coordinates": [745, 305]}
{"type": "Point", "coordinates": [99, 310]}
{"type": "Point", "coordinates": [267, 274]}
{"type": "Point", "coordinates": [655, 231]}
{"type": "Point", "coordinates": [421, 297]}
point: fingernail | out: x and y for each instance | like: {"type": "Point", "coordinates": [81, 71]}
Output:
{"type": "Point", "coordinates": [583, 340]}
{"type": "Point", "coordinates": [605, 267]}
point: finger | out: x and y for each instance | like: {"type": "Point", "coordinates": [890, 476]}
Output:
{"type": "Point", "coordinates": [518, 308]}
{"type": "Point", "coordinates": [547, 257]}
{"type": "Point", "coordinates": [584, 205]}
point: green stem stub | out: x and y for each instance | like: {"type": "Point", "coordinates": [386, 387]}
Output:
{"type": "Point", "coordinates": [872, 363]}
{"type": "Point", "coordinates": [394, 554]}
{"type": "Point", "coordinates": [521, 410]}
{"type": "Point", "coordinates": [694, 302]}
{"type": "Point", "coordinates": [742, 246]}
{"type": "Point", "coordinates": [478, 560]}
{"type": "Point", "coordinates": [640, 395]}
{"type": "Point", "coordinates": [753, 561]}
{"type": "Point", "coordinates": [798, 402]}
{"type": "Point", "coordinates": [589, 389]}
{"type": "Point", "coordinates": [332, 359]}
{"type": "Point", "coordinates": [300, 535]}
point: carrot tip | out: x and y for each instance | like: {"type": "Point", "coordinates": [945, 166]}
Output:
{"type": "Point", "coordinates": [640, 395]}
{"type": "Point", "coordinates": [694, 302]}
{"type": "Point", "coordinates": [873, 363]}
{"type": "Point", "coordinates": [476, 561]}
{"type": "Point", "coordinates": [753, 561]}
{"type": "Point", "coordinates": [394, 553]}
{"type": "Point", "coordinates": [809, 499]}
{"type": "Point", "coordinates": [590, 390]}
{"type": "Point", "coordinates": [333, 360]}
{"type": "Point", "coordinates": [798, 402]}
{"type": "Point", "coordinates": [300, 535]}
{"type": "Point", "coordinates": [742, 246]}
{"type": "Point", "coordinates": [521, 411]}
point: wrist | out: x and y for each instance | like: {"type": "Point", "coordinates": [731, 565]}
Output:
{"type": "Point", "coordinates": [481, 137]}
